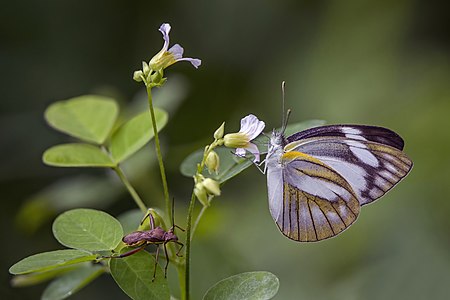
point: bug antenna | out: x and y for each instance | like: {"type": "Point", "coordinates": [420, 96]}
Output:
{"type": "Point", "coordinates": [173, 211]}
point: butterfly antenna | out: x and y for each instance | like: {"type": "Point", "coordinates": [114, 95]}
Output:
{"type": "Point", "coordinates": [288, 112]}
{"type": "Point", "coordinates": [283, 83]}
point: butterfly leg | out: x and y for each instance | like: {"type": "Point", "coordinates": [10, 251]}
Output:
{"type": "Point", "coordinates": [257, 165]}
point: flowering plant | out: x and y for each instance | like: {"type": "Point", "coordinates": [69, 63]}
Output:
{"type": "Point", "coordinates": [98, 243]}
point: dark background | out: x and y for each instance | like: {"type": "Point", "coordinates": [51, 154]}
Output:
{"type": "Point", "coordinates": [384, 63]}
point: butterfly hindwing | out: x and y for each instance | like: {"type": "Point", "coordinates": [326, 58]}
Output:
{"type": "Point", "coordinates": [309, 200]}
{"type": "Point", "coordinates": [371, 168]}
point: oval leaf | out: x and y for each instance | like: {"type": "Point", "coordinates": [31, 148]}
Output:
{"type": "Point", "coordinates": [50, 260]}
{"type": "Point", "coordinates": [39, 277]}
{"type": "Point", "coordinates": [70, 283]}
{"type": "Point", "coordinates": [87, 229]}
{"type": "Point", "coordinates": [89, 118]}
{"type": "Point", "coordinates": [245, 286]}
{"type": "Point", "coordinates": [134, 275]}
{"type": "Point", "coordinates": [230, 164]}
{"type": "Point", "coordinates": [76, 155]}
{"type": "Point", "coordinates": [134, 134]}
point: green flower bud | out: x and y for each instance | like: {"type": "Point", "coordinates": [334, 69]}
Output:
{"type": "Point", "coordinates": [145, 223]}
{"type": "Point", "coordinates": [145, 68]}
{"type": "Point", "coordinates": [137, 75]}
{"type": "Point", "coordinates": [218, 134]}
{"type": "Point", "coordinates": [212, 162]}
{"type": "Point", "coordinates": [236, 140]}
{"type": "Point", "coordinates": [200, 193]}
{"type": "Point", "coordinates": [156, 78]}
{"type": "Point", "coordinates": [212, 186]}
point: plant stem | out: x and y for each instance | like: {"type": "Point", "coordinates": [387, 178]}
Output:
{"type": "Point", "coordinates": [130, 188]}
{"type": "Point", "coordinates": [159, 155]}
{"type": "Point", "coordinates": [185, 295]}
{"type": "Point", "coordinates": [190, 230]}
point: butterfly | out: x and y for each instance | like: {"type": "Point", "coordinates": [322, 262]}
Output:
{"type": "Point", "coordinates": [319, 178]}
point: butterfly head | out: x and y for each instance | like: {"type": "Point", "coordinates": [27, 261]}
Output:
{"type": "Point", "coordinates": [277, 138]}
{"type": "Point", "coordinates": [275, 147]}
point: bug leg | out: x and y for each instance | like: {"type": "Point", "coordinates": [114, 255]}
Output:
{"type": "Point", "coordinates": [156, 262]}
{"type": "Point", "coordinates": [150, 218]}
{"type": "Point", "coordinates": [179, 250]}
{"type": "Point", "coordinates": [131, 252]}
{"type": "Point", "coordinates": [167, 260]}
{"type": "Point", "coordinates": [176, 226]}
{"type": "Point", "coordinates": [179, 228]}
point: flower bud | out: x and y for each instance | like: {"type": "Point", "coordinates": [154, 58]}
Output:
{"type": "Point", "coordinates": [212, 162]}
{"type": "Point", "coordinates": [200, 193]}
{"type": "Point", "coordinates": [145, 68]}
{"type": "Point", "coordinates": [212, 186]}
{"type": "Point", "coordinates": [137, 76]}
{"type": "Point", "coordinates": [145, 223]}
{"type": "Point", "coordinates": [218, 134]}
{"type": "Point", "coordinates": [157, 78]}
{"type": "Point", "coordinates": [236, 140]}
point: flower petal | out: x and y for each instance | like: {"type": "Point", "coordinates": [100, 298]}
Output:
{"type": "Point", "coordinates": [240, 152]}
{"type": "Point", "coordinates": [194, 61]}
{"type": "Point", "coordinates": [253, 149]}
{"type": "Point", "coordinates": [165, 29]}
{"type": "Point", "coordinates": [177, 51]}
{"type": "Point", "coordinates": [252, 126]}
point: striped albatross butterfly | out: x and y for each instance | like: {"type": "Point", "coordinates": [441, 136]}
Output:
{"type": "Point", "coordinates": [319, 178]}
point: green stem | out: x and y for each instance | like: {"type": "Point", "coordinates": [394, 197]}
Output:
{"type": "Point", "coordinates": [185, 294]}
{"type": "Point", "coordinates": [130, 188]}
{"type": "Point", "coordinates": [159, 155]}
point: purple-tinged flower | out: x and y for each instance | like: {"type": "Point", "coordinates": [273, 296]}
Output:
{"type": "Point", "coordinates": [251, 127]}
{"type": "Point", "coordinates": [166, 56]}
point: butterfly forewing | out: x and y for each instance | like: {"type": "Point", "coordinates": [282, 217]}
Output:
{"type": "Point", "coordinates": [356, 132]}
{"type": "Point", "coordinates": [370, 168]}
{"type": "Point", "coordinates": [314, 203]}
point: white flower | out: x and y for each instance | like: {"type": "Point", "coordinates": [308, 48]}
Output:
{"type": "Point", "coordinates": [166, 56]}
{"type": "Point", "coordinates": [251, 127]}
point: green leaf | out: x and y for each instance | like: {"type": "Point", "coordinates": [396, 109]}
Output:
{"type": "Point", "coordinates": [134, 276]}
{"type": "Point", "coordinates": [245, 286]}
{"type": "Point", "coordinates": [87, 229]}
{"type": "Point", "coordinates": [300, 126]}
{"type": "Point", "coordinates": [230, 164]}
{"type": "Point", "coordinates": [71, 282]}
{"type": "Point", "coordinates": [89, 118]}
{"type": "Point", "coordinates": [39, 277]}
{"type": "Point", "coordinates": [77, 155]}
{"type": "Point", "coordinates": [135, 133]}
{"type": "Point", "coordinates": [50, 260]}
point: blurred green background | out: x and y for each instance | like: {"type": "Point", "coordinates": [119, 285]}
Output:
{"type": "Point", "coordinates": [383, 63]}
